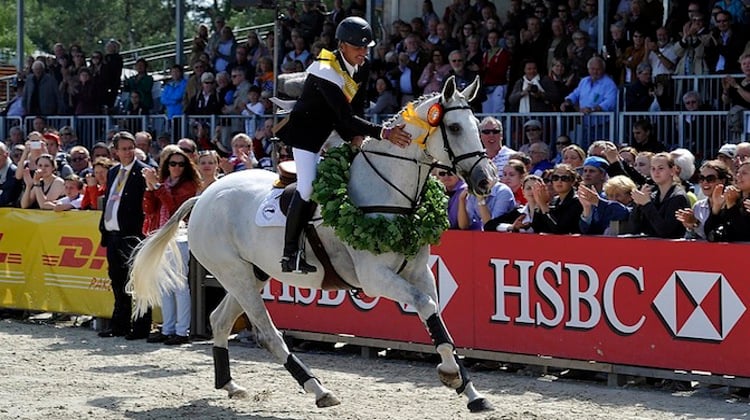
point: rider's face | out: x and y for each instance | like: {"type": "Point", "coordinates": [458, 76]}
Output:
{"type": "Point", "coordinates": [352, 54]}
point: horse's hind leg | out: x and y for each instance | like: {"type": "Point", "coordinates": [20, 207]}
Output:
{"type": "Point", "coordinates": [270, 338]}
{"type": "Point", "coordinates": [222, 320]}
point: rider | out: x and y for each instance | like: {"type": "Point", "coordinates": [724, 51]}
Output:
{"type": "Point", "coordinates": [333, 97]}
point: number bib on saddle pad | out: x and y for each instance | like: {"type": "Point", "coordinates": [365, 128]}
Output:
{"type": "Point", "coordinates": [270, 210]}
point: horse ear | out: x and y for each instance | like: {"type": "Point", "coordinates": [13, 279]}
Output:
{"type": "Point", "coordinates": [449, 89]}
{"type": "Point", "coordinates": [472, 90]}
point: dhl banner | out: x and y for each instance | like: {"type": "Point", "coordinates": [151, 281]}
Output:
{"type": "Point", "coordinates": [53, 262]}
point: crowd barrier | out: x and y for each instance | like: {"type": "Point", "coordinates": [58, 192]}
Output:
{"type": "Point", "coordinates": [638, 302]}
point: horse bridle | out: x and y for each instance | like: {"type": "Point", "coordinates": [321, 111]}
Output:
{"type": "Point", "coordinates": [431, 165]}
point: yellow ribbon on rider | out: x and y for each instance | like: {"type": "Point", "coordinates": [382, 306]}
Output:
{"type": "Point", "coordinates": [410, 117]}
{"type": "Point", "coordinates": [350, 87]}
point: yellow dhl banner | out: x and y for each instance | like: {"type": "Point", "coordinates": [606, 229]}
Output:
{"type": "Point", "coordinates": [53, 262]}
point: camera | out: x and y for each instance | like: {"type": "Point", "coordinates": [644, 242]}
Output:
{"type": "Point", "coordinates": [35, 145]}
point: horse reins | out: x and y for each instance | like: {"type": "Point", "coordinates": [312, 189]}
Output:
{"type": "Point", "coordinates": [415, 201]}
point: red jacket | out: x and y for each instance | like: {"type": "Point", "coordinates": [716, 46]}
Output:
{"type": "Point", "coordinates": [171, 200]}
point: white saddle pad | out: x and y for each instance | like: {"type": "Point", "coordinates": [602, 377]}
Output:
{"type": "Point", "coordinates": [269, 213]}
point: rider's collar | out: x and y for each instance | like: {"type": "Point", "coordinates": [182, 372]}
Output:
{"type": "Point", "coordinates": [410, 117]}
{"type": "Point", "coordinates": [349, 68]}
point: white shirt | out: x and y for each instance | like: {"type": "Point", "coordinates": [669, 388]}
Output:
{"type": "Point", "coordinates": [113, 224]}
{"type": "Point", "coordinates": [75, 202]}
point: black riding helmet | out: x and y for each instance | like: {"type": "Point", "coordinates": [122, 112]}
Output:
{"type": "Point", "coordinates": [355, 31]}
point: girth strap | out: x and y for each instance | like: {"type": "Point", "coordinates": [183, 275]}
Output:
{"type": "Point", "coordinates": [331, 279]}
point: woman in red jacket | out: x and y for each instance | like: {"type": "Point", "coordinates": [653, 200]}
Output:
{"type": "Point", "coordinates": [176, 182]}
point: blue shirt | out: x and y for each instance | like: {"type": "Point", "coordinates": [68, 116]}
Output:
{"type": "Point", "coordinates": [589, 94]}
{"type": "Point", "coordinates": [499, 202]}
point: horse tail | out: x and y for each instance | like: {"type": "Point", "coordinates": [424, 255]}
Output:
{"type": "Point", "coordinates": [152, 269]}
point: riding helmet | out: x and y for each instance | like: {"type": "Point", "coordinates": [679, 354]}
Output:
{"type": "Point", "coordinates": [355, 31]}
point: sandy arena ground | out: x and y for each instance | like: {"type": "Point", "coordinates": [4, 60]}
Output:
{"type": "Point", "coordinates": [62, 372]}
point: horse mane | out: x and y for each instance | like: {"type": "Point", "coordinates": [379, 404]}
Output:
{"type": "Point", "coordinates": [417, 102]}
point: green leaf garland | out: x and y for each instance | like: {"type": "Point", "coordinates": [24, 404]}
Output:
{"type": "Point", "coordinates": [404, 234]}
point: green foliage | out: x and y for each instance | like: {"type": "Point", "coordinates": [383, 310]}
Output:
{"type": "Point", "coordinates": [8, 27]}
{"type": "Point", "coordinates": [402, 235]}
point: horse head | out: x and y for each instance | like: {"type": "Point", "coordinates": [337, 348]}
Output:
{"type": "Point", "coordinates": [453, 139]}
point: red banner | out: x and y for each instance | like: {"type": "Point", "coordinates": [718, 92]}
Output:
{"type": "Point", "coordinates": [644, 302]}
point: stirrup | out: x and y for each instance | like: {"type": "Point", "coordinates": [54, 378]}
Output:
{"type": "Point", "coordinates": [296, 264]}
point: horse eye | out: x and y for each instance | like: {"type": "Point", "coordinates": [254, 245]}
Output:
{"type": "Point", "coordinates": [454, 128]}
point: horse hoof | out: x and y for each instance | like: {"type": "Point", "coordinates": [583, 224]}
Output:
{"type": "Point", "coordinates": [479, 405]}
{"type": "Point", "coordinates": [327, 400]}
{"type": "Point", "coordinates": [239, 394]}
{"type": "Point", "coordinates": [452, 380]}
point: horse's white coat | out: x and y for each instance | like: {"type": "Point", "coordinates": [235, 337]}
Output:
{"type": "Point", "coordinates": [225, 240]}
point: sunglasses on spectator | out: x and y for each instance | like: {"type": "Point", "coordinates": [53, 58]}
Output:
{"type": "Point", "coordinates": [563, 178]}
{"type": "Point", "coordinates": [78, 159]}
{"type": "Point", "coordinates": [491, 131]}
{"type": "Point", "coordinates": [533, 129]}
{"type": "Point", "coordinates": [173, 163]}
{"type": "Point", "coordinates": [708, 178]}
{"type": "Point", "coordinates": [186, 150]}
{"type": "Point", "coordinates": [547, 180]}
{"type": "Point", "coordinates": [562, 143]}
{"type": "Point", "coordinates": [445, 173]}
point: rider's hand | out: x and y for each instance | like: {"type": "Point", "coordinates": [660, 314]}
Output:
{"type": "Point", "coordinates": [398, 136]}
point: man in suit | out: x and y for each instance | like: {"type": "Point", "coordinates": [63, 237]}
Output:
{"type": "Point", "coordinates": [121, 227]}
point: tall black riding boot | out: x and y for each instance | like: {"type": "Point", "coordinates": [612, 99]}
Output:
{"type": "Point", "coordinates": [298, 215]}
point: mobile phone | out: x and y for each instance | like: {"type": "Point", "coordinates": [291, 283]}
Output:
{"type": "Point", "coordinates": [35, 145]}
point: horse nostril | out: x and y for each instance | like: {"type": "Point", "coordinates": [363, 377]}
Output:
{"type": "Point", "coordinates": [484, 185]}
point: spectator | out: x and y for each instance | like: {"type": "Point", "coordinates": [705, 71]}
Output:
{"type": "Point", "coordinates": [627, 154]}
{"type": "Point", "coordinates": [173, 92]}
{"type": "Point", "coordinates": [111, 72]}
{"type": "Point", "coordinates": [242, 156]}
{"type": "Point", "coordinates": [598, 213]}
{"type": "Point", "coordinates": [640, 95]}
{"type": "Point", "coordinates": [539, 153]}
{"type": "Point", "coordinates": [177, 180]}
{"type": "Point", "coordinates": [496, 66]}
{"type": "Point", "coordinates": [208, 167]}
{"type": "Point", "coordinates": [100, 150]}
{"type": "Point", "coordinates": [574, 156]}
{"type": "Point", "coordinates": [561, 143]}
{"type": "Point", "coordinates": [386, 102]}
{"type": "Point", "coordinates": [534, 43]}
{"type": "Point", "coordinates": [41, 96]}
{"type": "Point", "coordinates": [224, 88]}
{"type": "Point", "coordinates": [52, 145]}
{"type": "Point", "coordinates": [445, 42]}
{"type": "Point", "coordinates": [643, 138]}
{"type": "Point", "coordinates": [692, 46]}
{"type": "Point", "coordinates": [557, 47]}
{"type": "Point", "coordinates": [142, 83]}
{"type": "Point", "coordinates": [14, 107]}
{"type": "Point", "coordinates": [242, 61]}
{"type": "Point", "coordinates": [121, 227]}
{"type": "Point", "coordinates": [534, 93]}
{"type": "Point", "coordinates": [253, 110]}
{"type": "Point", "coordinates": [615, 50]}
{"type": "Point", "coordinates": [189, 147]}
{"type": "Point", "coordinates": [694, 129]}
{"type": "Point", "coordinates": [310, 23]}
{"type": "Point", "coordinates": [135, 106]}
{"type": "Point", "coordinates": [85, 97]}
{"type": "Point", "coordinates": [17, 153]}
{"type": "Point", "coordinates": [634, 55]}
{"type": "Point", "coordinates": [712, 174]}
{"type": "Point", "coordinates": [96, 184]}
{"type": "Point", "coordinates": [737, 95]}
{"type": "Point", "coordinates": [194, 83]}
{"type": "Point", "coordinates": [497, 204]}
{"type": "Point", "coordinates": [735, 8]}
{"type": "Point", "coordinates": [655, 211]}
{"type": "Point", "coordinates": [215, 37]}
{"type": "Point", "coordinates": [255, 49]}
{"type": "Point", "coordinates": [522, 221]}
{"type": "Point", "coordinates": [579, 53]}
{"type": "Point", "coordinates": [223, 51]}
{"type": "Point", "coordinates": [491, 134]}
{"type": "Point", "coordinates": [239, 97]}
{"type": "Point", "coordinates": [454, 189]}
{"type": "Point", "coordinates": [473, 54]}
{"type": "Point", "coordinates": [568, 21]}
{"type": "Point", "coordinates": [684, 162]}
{"type": "Point", "coordinates": [265, 77]}
{"type": "Point", "coordinates": [513, 174]}
{"type": "Point", "coordinates": [464, 77]}
{"type": "Point", "coordinates": [72, 198]}
{"type": "Point", "coordinates": [532, 134]}
{"type": "Point", "coordinates": [564, 80]}
{"type": "Point", "coordinates": [643, 163]}
{"type": "Point", "coordinates": [411, 63]}
{"type": "Point", "coordinates": [42, 187]}
{"type": "Point", "coordinates": [594, 173]}
{"type": "Point", "coordinates": [199, 44]}
{"type": "Point", "coordinates": [434, 73]}
{"type": "Point", "coordinates": [299, 50]}
{"type": "Point", "coordinates": [80, 161]}
{"type": "Point", "coordinates": [143, 141]}
{"type": "Point", "coordinates": [33, 148]}
{"type": "Point", "coordinates": [15, 136]}
{"type": "Point", "coordinates": [727, 44]}
{"type": "Point", "coordinates": [729, 220]}
{"type": "Point", "coordinates": [561, 216]}
{"type": "Point", "coordinates": [10, 187]}
{"type": "Point", "coordinates": [589, 22]}
{"type": "Point", "coordinates": [207, 100]}
{"type": "Point", "coordinates": [595, 93]}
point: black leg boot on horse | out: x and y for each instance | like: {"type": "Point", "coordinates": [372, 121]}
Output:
{"type": "Point", "coordinates": [299, 214]}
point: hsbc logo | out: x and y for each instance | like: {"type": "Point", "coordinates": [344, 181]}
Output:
{"type": "Point", "coordinates": [699, 305]}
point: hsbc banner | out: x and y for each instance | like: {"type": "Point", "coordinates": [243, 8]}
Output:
{"type": "Point", "coordinates": [53, 262]}
{"type": "Point", "coordinates": [642, 302]}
